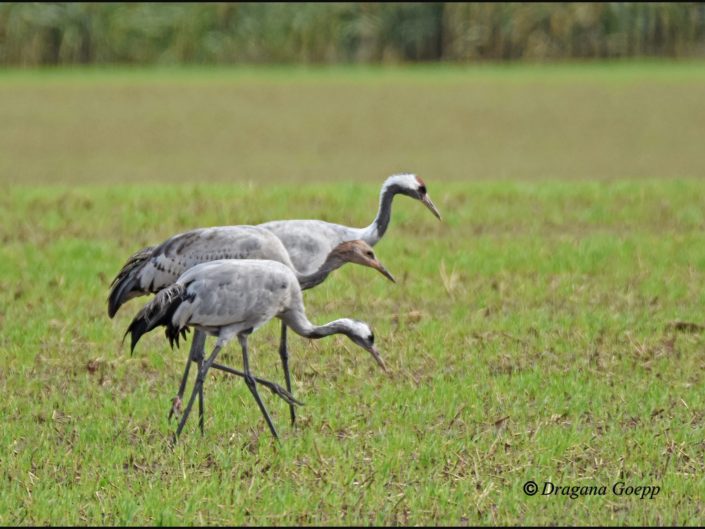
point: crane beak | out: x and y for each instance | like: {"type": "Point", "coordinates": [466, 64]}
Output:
{"type": "Point", "coordinates": [375, 353]}
{"type": "Point", "coordinates": [382, 270]}
{"type": "Point", "coordinates": [429, 204]}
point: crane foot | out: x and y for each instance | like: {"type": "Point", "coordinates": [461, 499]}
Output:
{"type": "Point", "coordinates": [175, 407]}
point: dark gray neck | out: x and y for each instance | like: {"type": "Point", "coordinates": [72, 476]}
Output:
{"type": "Point", "coordinates": [316, 278]}
{"type": "Point", "coordinates": [375, 231]}
{"type": "Point", "coordinates": [300, 325]}
{"type": "Point", "coordinates": [334, 327]}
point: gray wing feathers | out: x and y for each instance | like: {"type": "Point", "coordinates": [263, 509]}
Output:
{"type": "Point", "coordinates": [152, 269]}
{"type": "Point", "coordinates": [186, 250]}
{"type": "Point", "coordinates": [127, 279]}
{"type": "Point", "coordinates": [157, 312]}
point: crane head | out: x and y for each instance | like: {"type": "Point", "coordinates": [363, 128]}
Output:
{"type": "Point", "coordinates": [360, 333]}
{"type": "Point", "coordinates": [359, 252]}
{"type": "Point", "coordinates": [413, 186]}
{"type": "Point", "coordinates": [422, 195]}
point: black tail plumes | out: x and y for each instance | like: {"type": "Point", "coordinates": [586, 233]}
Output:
{"type": "Point", "coordinates": [157, 312]}
{"type": "Point", "coordinates": [127, 279]}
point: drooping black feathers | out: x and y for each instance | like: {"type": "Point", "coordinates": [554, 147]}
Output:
{"type": "Point", "coordinates": [127, 279]}
{"type": "Point", "coordinates": [157, 312]}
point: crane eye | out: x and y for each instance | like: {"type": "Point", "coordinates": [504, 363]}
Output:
{"type": "Point", "coordinates": [369, 254]}
{"type": "Point", "coordinates": [371, 338]}
{"type": "Point", "coordinates": [422, 190]}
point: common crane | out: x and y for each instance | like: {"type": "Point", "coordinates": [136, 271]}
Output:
{"type": "Point", "coordinates": [233, 298]}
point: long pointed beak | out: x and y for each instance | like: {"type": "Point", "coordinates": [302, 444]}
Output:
{"type": "Point", "coordinates": [427, 202]}
{"type": "Point", "coordinates": [372, 349]}
{"type": "Point", "coordinates": [382, 270]}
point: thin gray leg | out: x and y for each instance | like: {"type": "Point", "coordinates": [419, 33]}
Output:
{"type": "Point", "coordinates": [195, 355]}
{"type": "Point", "coordinates": [197, 388]}
{"type": "Point", "coordinates": [273, 387]}
{"type": "Point", "coordinates": [284, 354]}
{"type": "Point", "coordinates": [200, 399]}
{"type": "Point", "coordinates": [249, 379]}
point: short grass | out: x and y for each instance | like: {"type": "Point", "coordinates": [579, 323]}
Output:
{"type": "Point", "coordinates": [532, 335]}
{"type": "Point", "coordinates": [549, 329]}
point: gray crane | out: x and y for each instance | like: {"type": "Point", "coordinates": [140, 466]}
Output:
{"type": "Point", "coordinates": [308, 242]}
{"type": "Point", "coordinates": [230, 298]}
{"type": "Point", "coordinates": [155, 268]}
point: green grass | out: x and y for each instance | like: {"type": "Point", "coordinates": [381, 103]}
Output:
{"type": "Point", "coordinates": [529, 336]}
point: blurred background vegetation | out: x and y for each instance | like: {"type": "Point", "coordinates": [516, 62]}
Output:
{"type": "Point", "coordinates": [164, 33]}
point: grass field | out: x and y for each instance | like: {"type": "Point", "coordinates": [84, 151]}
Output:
{"type": "Point", "coordinates": [549, 329]}
{"type": "Point", "coordinates": [592, 122]}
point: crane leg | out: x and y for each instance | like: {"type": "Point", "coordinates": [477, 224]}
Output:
{"type": "Point", "coordinates": [197, 389]}
{"type": "Point", "coordinates": [273, 386]}
{"type": "Point", "coordinates": [195, 355]}
{"type": "Point", "coordinates": [249, 379]}
{"type": "Point", "coordinates": [284, 354]}
{"type": "Point", "coordinates": [200, 399]}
